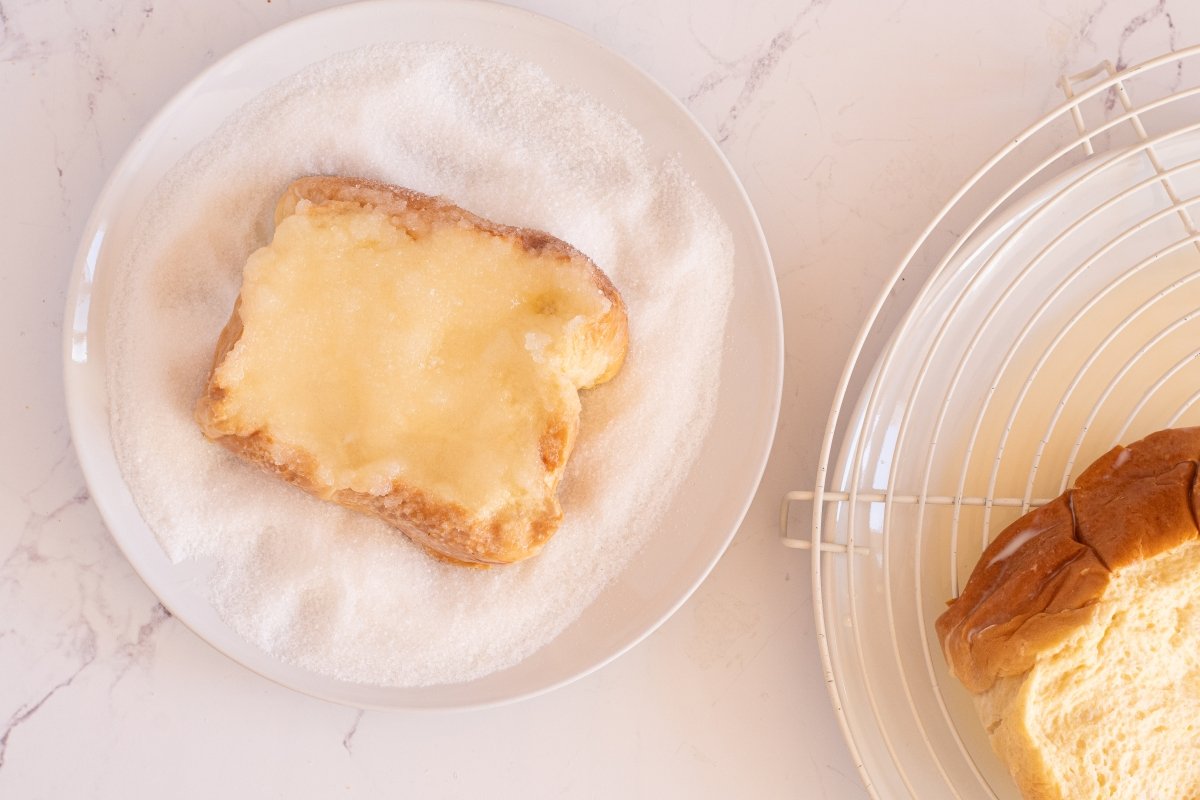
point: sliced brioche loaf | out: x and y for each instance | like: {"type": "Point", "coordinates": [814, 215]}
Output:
{"type": "Point", "coordinates": [400, 356]}
{"type": "Point", "coordinates": [1079, 631]}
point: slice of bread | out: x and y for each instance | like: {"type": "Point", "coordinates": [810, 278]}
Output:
{"type": "Point", "coordinates": [403, 357]}
{"type": "Point", "coordinates": [1079, 631]}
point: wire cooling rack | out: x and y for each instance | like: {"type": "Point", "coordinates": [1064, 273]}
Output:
{"type": "Point", "coordinates": [1050, 311]}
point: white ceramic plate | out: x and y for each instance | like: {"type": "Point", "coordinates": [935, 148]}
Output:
{"type": "Point", "coordinates": [713, 499]}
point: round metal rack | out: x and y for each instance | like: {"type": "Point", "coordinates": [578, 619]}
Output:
{"type": "Point", "coordinates": [1050, 311]}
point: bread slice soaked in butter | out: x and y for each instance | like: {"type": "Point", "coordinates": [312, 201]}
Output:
{"type": "Point", "coordinates": [398, 355]}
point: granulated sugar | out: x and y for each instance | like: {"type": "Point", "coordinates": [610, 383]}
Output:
{"type": "Point", "coordinates": [337, 592]}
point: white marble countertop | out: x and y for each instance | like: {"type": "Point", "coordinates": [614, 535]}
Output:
{"type": "Point", "coordinates": [850, 124]}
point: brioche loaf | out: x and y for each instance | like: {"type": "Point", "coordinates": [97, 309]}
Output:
{"type": "Point", "coordinates": [1079, 631]}
{"type": "Point", "coordinates": [398, 355]}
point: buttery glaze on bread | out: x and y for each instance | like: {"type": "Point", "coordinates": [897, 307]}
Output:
{"type": "Point", "coordinates": [1079, 631]}
{"type": "Point", "coordinates": [403, 357]}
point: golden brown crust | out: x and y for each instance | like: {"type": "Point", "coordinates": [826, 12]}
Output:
{"type": "Point", "coordinates": [1041, 577]}
{"type": "Point", "coordinates": [447, 530]}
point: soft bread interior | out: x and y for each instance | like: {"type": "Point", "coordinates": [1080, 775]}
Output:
{"type": "Point", "coordinates": [1113, 711]}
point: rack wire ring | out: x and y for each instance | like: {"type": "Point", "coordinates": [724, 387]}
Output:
{"type": "Point", "coordinates": [1111, 208]}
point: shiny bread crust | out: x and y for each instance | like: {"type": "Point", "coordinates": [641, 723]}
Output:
{"type": "Point", "coordinates": [1041, 578]}
{"type": "Point", "coordinates": [446, 530]}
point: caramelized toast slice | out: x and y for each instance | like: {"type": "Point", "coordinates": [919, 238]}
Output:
{"type": "Point", "coordinates": [398, 355]}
